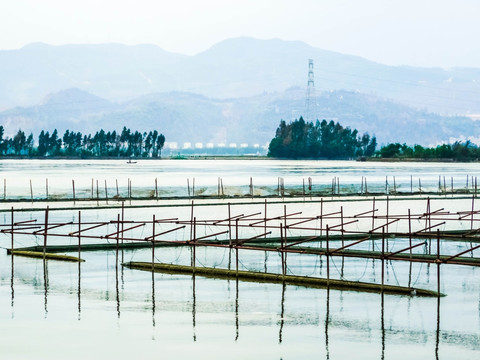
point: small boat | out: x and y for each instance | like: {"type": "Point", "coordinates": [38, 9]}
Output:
{"type": "Point", "coordinates": [131, 162]}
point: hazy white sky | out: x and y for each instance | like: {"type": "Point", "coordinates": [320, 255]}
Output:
{"type": "Point", "coordinates": [412, 32]}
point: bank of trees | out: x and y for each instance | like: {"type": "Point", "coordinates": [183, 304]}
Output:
{"type": "Point", "coordinates": [465, 151]}
{"type": "Point", "coordinates": [127, 143]}
{"type": "Point", "coordinates": [322, 140]}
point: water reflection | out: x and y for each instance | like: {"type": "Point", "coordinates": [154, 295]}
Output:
{"type": "Point", "coordinates": [79, 289]}
{"type": "Point", "coordinates": [11, 286]}
{"type": "Point", "coordinates": [382, 323]}
{"type": "Point", "coordinates": [288, 315]}
{"type": "Point", "coordinates": [236, 311]}
{"type": "Point", "coordinates": [45, 284]}
{"type": "Point", "coordinates": [437, 335]}
{"type": "Point", "coordinates": [194, 300]}
{"type": "Point", "coordinates": [327, 321]}
{"type": "Point", "coordinates": [282, 313]}
{"type": "Point", "coordinates": [117, 292]}
{"type": "Point", "coordinates": [153, 300]}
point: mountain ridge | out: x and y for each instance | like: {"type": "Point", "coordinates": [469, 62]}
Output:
{"type": "Point", "coordinates": [237, 67]}
{"type": "Point", "coordinates": [190, 117]}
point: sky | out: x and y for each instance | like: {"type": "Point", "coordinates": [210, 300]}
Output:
{"type": "Point", "coordinates": [441, 33]}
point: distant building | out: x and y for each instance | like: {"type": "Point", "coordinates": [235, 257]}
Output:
{"type": "Point", "coordinates": [187, 145]}
{"type": "Point", "coordinates": [171, 145]}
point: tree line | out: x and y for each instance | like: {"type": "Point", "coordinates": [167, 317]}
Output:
{"type": "Point", "coordinates": [127, 143]}
{"type": "Point", "coordinates": [465, 151]}
{"type": "Point", "coordinates": [322, 140]}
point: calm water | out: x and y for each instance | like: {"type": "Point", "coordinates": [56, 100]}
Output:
{"type": "Point", "coordinates": [173, 176]}
{"type": "Point", "coordinates": [99, 309]}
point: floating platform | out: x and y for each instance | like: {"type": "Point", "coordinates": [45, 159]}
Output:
{"type": "Point", "coordinates": [47, 256]}
{"type": "Point", "coordinates": [305, 281]}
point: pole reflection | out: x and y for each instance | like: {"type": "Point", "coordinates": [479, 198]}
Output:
{"type": "Point", "coordinates": [382, 321]}
{"type": "Point", "coordinates": [117, 292]}
{"type": "Point", "coordinates": [12, 287]}
{"type": "Point", "coordinates": [237, 332]}
{"type": "Point", "coordinates": [327, 321]}
{"type": "Point", "coordinates": [79, 291]}
{"type": "Point", "coordinates": [437, 333]}
{"type": "Point", "coordinates": [153, 304]}
{"type": "Point", "coordinates": [45, 284]}
{"type": "Point", "coordinates": [282, 313]}
{"type": "Point", "coordinates": [194, 299]}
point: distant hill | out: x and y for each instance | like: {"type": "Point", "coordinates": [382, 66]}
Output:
{"type": "Point", "coordinates": [240, 67]}
{"type": "Point", "coordinates": [187, 117]}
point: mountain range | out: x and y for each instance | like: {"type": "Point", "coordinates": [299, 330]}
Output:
{"type": "Point", "coordinates": [188, 117]}
{"type": "Point", "coordinates": [236, 91]}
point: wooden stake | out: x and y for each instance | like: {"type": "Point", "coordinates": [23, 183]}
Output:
{"type": "Point", "coordinates": [106, 192]}
{"type": "Point", "coordinates": [31, 190]}
{"type": "Point", "coordinates": [79, 232]}
{"type": "Point", "coordinates": [251, 187]}
{"type": "Point", "coordinates": [194, 259]}
{"type": "Point", "coordinates": [12, 231]}
{"type": "Point", "coordinates": [303, 189]}
{"type": "Point", "coordinates": [45, 233]}
{"type": "Point", "coordinates": [73, 191]}
{"type": "Point", "coordinates": [236, 245]}
{"type": "Point", "coordinates": [153, 242]}
{"type": "Point", "coordinates": [328, 256]}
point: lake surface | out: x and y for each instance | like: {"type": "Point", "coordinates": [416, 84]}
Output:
{"type": "Point", "coordinates": [100, 309]}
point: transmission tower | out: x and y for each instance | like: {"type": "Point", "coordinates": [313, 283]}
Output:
{"type": "Point", "coordinates": [310, 99]}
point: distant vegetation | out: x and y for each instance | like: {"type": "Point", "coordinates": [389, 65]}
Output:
{"type": "Point", "coordinates": [322, 140]}
{"type": "Point", "coordinates": [458, 151]}
{"type": "Point", "coordinates": [74, 144]}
